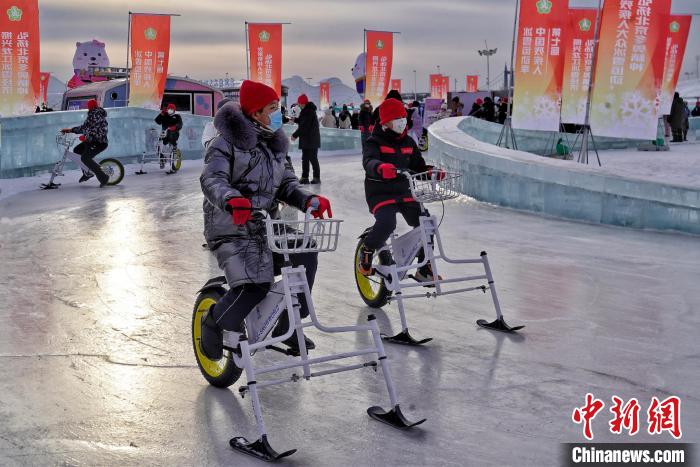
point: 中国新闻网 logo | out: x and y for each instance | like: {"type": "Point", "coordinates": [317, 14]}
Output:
{"type": "Point", "coordinates": [14, 14]}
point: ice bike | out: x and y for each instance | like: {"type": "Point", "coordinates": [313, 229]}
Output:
{"type": "Point", "coordinates": [286, 237]}
{"type": "Point", "coordinates": [164, 153]}
{"type": "Point", "coordinates": [392, 264]}
{"type": "Point", "coordinates": [111, 167]}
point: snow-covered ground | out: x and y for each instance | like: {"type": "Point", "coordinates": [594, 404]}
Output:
{"type": "Point", "coordinates": [96, 294]}
{"type": "Point", "coordinates": [679, 166]}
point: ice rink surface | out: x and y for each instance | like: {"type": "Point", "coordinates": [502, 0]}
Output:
{"type": "Point", "coordinates": [96, 295]}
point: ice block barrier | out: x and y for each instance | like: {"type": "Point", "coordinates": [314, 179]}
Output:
{"type": "Point", "coordinates": [28, 143]}
{"type": "Point", "coordinates": [565, 189]}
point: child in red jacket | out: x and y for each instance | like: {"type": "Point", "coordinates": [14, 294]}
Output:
{"type": "Point", "coordinates": [387, 150]}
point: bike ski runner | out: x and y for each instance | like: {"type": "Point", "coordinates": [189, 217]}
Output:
{"type": "Point", "coordinates": [386, 151]}
{"type": "Point", "coordinates": [246, 167]}
{"type": "Point", "coordinates": [93, 140]}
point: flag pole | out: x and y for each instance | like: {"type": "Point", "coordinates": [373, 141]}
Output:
{"type": "Point", "coordinates": [128, 54]}
{"type": "Point", "coordinates": [507, 133]}
{"type": "Point", "coordinates": [247, 53]}
{"type": "Point", "coordinates": [583, 153]}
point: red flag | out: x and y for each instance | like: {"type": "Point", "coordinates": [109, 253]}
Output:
{"type": "Point", "coordinates": [378, 65]}
{"type": "Point", "coordinates": [20, 81]}
{"type": "Point", "coordinates": [675, 43]}
{"type": "Point", "coordinates": [325, 95]}
{"type": "Point", "coordinates": [265, 59]}
{"type": "Point", "coordinates": [44, 86]}
{"type": "Point", "coordinates": [445, 87]}
{"type": "Point", "coordinates": [580, 45]}
{"type": "Point", "coordinates": [436, 86]}
{"type": "Point", "coordinates": [150, 51]}
{"type": "Point", "coordinates": [472, 83]}
{"type": "Point", "coordinates": [396, 84]}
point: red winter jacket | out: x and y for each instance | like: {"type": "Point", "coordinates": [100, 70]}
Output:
{"type": "Point", "coordinates": [385, 146]}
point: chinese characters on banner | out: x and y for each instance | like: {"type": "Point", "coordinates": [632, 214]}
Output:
{"type": "Point", "coordinates": [472, 83]}
{"type": "Point", "coordinates": [540, 64]}
{"type": "Point", "coordinates": [436, 86]}
{"type": "Point", "coordinates": [629, 68]}
{"type": "Point", "coordinates": [676, 38]}
{"type": "Point", "coordinates": [378, 63]}
{"type": "Point", "coordinates": [150, 50]}
{"type": "Point", "coordinates": [265, 60]}
{"type": "Point", "coordinates": [445, 87]}
{"type": "Point", "coordinates": [45, 78]}
{"type": "Point", "coordinates": [396, 84]}
{"type": "Point", "coordinates": [580, 42]}
{"type": "Point", "coordinates": [325, 95]}
{"type": "Point", "coordinates": [20, 79]}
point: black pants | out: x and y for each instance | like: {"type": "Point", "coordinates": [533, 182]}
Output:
{"type": "Point", "coordinates": [310, 156]}
{"type": "Point", "coordinates": [385, 224]}
{"type": "Point", "coordinates": [171, 138]}
{"type": "Point", "coordinates": [233, 308]}
{"type": "Point", "coordinates": [87, 152]}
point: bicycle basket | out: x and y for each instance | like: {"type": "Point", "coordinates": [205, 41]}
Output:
{"type": "Point", "coordinates": [65, 139]}
{"type": "Point", "coordinates": [426, 188]}
{"type": "Point", "coordinates": [302, 236]}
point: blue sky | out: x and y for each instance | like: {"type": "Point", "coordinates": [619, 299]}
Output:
{"type": "Point", "coordinates": [323, 40]}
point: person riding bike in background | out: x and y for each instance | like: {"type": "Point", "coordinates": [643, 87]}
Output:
{"type": "Point", "coordinates": [93, 141]}
{"type": "Point", "coordinates": [171, 123]}
{"type": "Point", "coordinates": [388, 149]}
{"type": "Point", "coordinates": [246, 167]}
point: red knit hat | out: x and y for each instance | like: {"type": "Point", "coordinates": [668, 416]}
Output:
{"type": "Point", "coordinates": [479, 101]}
{"type": "Point", "coordinates": [254, 96]}
{"type": "Point", "coordinates": [171, 106]}
{"type": "Point", "coordinates": [92, 103]}
{"type": "Point", "coordinates": [391, 109]}
{"type": "Point", "coordinates": [303, 100]}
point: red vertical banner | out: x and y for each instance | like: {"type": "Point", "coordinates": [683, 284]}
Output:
{"type": "Point", "coordinates": [20, 78]}
{"type": "Point", "coordinates": [445, 87]}
{"type": "Point", "coordinates": [265, 54]}
{"type": "Point", "coordinates": [629, 68]}
{"type": "Point", "coordinates": [150, 51]}
{"type": "Point", "coordinates": [472, 83]}
{"type": "Point", "coordinates": [436, 86]}
{"type": "Point", "coordinates": [539, 66]}
{"type": "Point", "coordinates": [580, 45]}
{"type": "Point", "coordinates": [44, 79]}
{"type": "Point", "coordinates": [379, 58]}
{"type": "Point", "coordinates": [396, 84]}
{"type": "Point", "coordinates": [325, 95]}
{"type": "Point", "coordinates": [676, 39]}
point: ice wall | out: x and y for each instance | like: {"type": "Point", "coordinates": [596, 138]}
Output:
{"type": "Point", "coordinates": [560, 188]}
{"type": "Point", "coordinates": [28, 143]}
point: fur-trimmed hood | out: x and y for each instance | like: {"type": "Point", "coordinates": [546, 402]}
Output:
{"type": "Point", "coordinates": [239, 131]}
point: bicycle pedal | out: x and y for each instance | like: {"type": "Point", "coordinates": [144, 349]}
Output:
{"type": "Point", "coordinates": [289, 352]}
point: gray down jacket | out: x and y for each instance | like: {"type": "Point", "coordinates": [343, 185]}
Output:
{"type": "Point", "coordinates": [240, 163]}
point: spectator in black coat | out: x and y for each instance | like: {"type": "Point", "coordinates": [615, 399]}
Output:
{"type": "Point", "coordinates": [355, 120]}
{"type": "Point", "coordinates": [171, 123]}
{"type": "Point", "coordinates": [489, 110]}
{"type": "Point", "coordinates": [696, 110]}
{"type": "Point", "coordinates": [309, 140]}
{"type": "Point", "coordinates": [365, 121]}
{"type": "Point", "coordinates": [476, 110]}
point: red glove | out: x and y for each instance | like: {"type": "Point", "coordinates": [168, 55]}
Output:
{"type": "Point", "coordinates": [438, 173]}
{"type": "Point", "coordinates": [81, 137]}
{"type": "Point", "coordinates": [172, 128]}
{"type": "Point", "coordinates": [387, 171]}
{"type": "Point", "coordinates": [240, 210]}
{"type": "Point", "coordinates": [320, 205]}
{"type": "Point", "coordinates": [164, 112]}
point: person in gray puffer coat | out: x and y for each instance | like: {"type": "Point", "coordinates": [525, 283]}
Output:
{"type": "Point", "coordinates": [246, 167]}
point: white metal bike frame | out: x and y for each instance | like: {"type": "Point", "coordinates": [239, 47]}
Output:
{"type": "Point", "coordinates": [163, 153]}
{"type": "Point", "coordinates": [284, 297]}
{"type": "Point", "coordinates": [67, 154]}
{"type": "Point", "coordinates": [404, 249]}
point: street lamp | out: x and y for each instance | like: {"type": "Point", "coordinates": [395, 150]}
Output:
{"type": "Point", "coordinates": [415, 91]}
{"type": "Point", "coordinates": [487, 53]}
